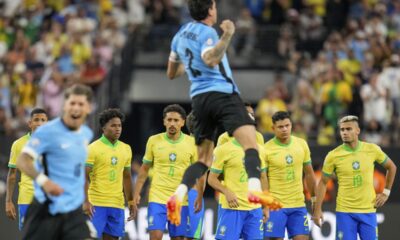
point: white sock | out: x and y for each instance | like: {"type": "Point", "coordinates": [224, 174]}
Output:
{"type": "Point", "coordinates": [254, 184]}
{"type": "Point", "coordinates": [181, 191]}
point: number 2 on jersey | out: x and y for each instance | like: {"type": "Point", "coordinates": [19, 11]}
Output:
{"type": "Point", "coordinates": [193, 71]}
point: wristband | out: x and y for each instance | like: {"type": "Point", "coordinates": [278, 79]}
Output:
{"type": "Point", "coordinates": [42, 179]}
{"type": "Point", "coordinates": [386, 192]}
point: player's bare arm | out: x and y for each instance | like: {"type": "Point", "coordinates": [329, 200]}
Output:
{"type": "Point", "coordinates": [321, 190]}
{"type": "Point", "coordinates": [143, 173]}
{"type": "Point", "coordinates": [218, 186]}
{"type": "Point", "coordinates": [128, 190]}
{"type": "Point", "coordinates": [25, 165]}
{"type": "Point", "coordinates": [391, 168]}
{"type": "Point", "coordinates": [175, 69]}
{"type": "Point", "coordinates": [87, 207]}
{"type": "Point", "coordinates": [11, 180]}
{"type": "Point", "coordinates": [265, 187]}
{"type": "Point", "coordinates": [200, 186]}
{"type": "Point", "coordinates": [311, 183]}
{"type": "Point", "coordinates": [214, 56]}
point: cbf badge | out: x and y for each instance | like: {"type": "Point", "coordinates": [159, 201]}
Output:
{"type": "Point", "coordinates": [289, 159]}
{"type": "Point", "coordinates": [114, 161]}
{"type": "Point", "coordinates": [172, 157]}
{"type": "Point", "coordinates": [356, 165]}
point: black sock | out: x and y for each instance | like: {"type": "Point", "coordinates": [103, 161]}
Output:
{"type": "Point", "coordinates": [252, 163]}
{"type": "Point", "coordinates": [192, 173]}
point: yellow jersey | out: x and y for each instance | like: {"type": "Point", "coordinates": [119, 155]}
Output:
{"type": "Point", "coordinates": [108, 162]}
{"type": "Point", "coordinates": [229, 160]}
{"type": "Point", "coordinates": [224, 138]}
{"type": "Point", "coordinates": [169, 160]}
{"type": "Point", "coordinates": [284, 164]}
{"type": "Point", "coordinates": [354, 170]}
{"type": "Point", "coordinates": [25, 184]}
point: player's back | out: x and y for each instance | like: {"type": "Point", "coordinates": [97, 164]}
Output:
{"type": "Point", "coordinates": [188, 46]}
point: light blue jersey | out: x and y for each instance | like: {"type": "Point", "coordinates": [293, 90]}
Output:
{"type": "Point", "coordinates": [65, 153]}
{"type": "Point", "coordinates": [188, 46]}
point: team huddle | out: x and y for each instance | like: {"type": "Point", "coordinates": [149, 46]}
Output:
{"type": "Point", "coordinates": [81, 188]}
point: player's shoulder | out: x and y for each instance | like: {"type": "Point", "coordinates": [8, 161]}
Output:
{"type": "Point", "coordinates": [369, 146]}
{"type": "Point", "coordinates": [335, 152]}
{"type": "Point", "coordinates": [156, 137]}
{"type": "Point", "coordinates": [22, 140]}
{"type": "Point", "coordinates": [188, 138]}
{"type": "Point", "coordinates": [124, 145]}
{"type": "Point", "coordinates": [299, 140]}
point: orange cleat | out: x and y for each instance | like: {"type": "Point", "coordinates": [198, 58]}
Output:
{"type": "Point", "coordinates": [174, 207]}
{"type": "Point", "coordinates": [265, 199]}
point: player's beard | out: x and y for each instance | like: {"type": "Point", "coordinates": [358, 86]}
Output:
{"type": "Point", "coordinates": [172, 131]}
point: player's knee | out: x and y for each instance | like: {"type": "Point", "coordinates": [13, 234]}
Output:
{"type": "Point", "coordinates": [252, 163]}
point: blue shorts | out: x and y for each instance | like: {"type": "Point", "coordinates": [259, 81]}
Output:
{"type": "Point", "coordinates": [109, 220]}
{"type": "Point", "coordinates": [235, 224]}
{"type": "Point", "coordinates": [195, 220]}
{"type": "Point", "coordinates": [349, 224]}
{"type": "Point", "coordinates": [22, 208]}
{"type": "Point", "coordinates": [295, 220]}
{"type": "Point", "coordinates": [157, 219]}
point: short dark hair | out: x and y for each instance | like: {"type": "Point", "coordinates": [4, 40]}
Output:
{"type": "Point", "coordinates": [190, 119]}
{"type": "Point", "coordinates": [247, 104]}
{"type": "Point", "coordinates": [199, 8]}
{"type": "Point", "coordinates": [38, 111]}
{"type": "Point", "coordinates": [280, 115]}
{"type": "Point", "coordinates": [79, 89]}
{"type": "Point", "coordinates": [109, 114]}
{"type": "Point", "coordinates": [175, 108]}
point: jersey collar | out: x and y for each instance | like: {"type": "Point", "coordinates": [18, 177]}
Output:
{"type": "Point", "coordinates": [172, 141]}
{"type": "Point", "coordinates": [107, 142]}
{"type": "Point", "coordinates": [349, 149]}
{"type": "Point", "coordinates": [276, 140]}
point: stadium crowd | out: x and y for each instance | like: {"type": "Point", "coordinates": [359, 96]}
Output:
{"type": "Point", "coordinates": [344, 60]}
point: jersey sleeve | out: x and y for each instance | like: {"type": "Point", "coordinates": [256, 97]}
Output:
{"type": "Point", "coordinates": [329, 167]}
{"type": "Point", "coordinates": [223, 138]}
{"type": "Point", "coordinates": [12, 163]}
{"type": "Point", "coordinates": [195, 156]}
{"type": "Point", "coordinates": [209, 40]}
{"type": "Point", "coordinates": [307, 154]}
{"type": "Point", "coordinates": [91, 156]}
{"type": "Point", "coordinates": [128, 157]}
{"type": "Point", "coordinates": [218, 161]}
{"type": "Point", "coordinates": [39, 143]}
{"type": "Point", "coordinates": [259, 138]}
{"type": "Point", "coordinates": [263, 158]}
{"type": "Point", "coordinates": [148, 155]}
{"type": "Point", "coordinates": [173, 56]}
{"type": "Point", "coordinates": [381, 157]}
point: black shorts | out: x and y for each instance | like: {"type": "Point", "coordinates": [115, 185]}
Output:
{"type": "Point", "coordinates": [39, 224]}
{"type": "Point", "coordinates": [215, 109]}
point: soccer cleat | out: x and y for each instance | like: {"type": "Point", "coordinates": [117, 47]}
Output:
{"type": "Point", "coordinates": [174, 207]}
{"type": "Point", "coordinates": [265, 199]}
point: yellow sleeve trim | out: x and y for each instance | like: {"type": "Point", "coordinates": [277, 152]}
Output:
{"type": "Point", "coordinates": [145, 161]}
{"type": "Point", "coordinates": [89, 164]}
{"type": "Point", "coordinates": [128, 167]}
{"type": "Point", "coordinates": [215, 170]}
{"type": "Point", "coordinates": [263, 169]}
{"type": "Point", "coordinates": [12, 165]}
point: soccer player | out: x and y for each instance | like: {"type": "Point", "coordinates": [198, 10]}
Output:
{"type": "Point", "coordinates": [287, 158]}
{"type": "Point", "coordinates": [59, 175]}
{"type": "Point", "coordinates": [38, 117]}
{"type": "Point", "coordinates": [108, 172]}
{"type": "Point", "coordinates": [197, 49]}
{"type": "Point", "coordinates": [353, 164]}
{"type": "Point", "coordinates": [195, 198]}
{"type": "Point", "coordinates": [169, 154]}
{"type": "Point", "coordinates": [237, 217]}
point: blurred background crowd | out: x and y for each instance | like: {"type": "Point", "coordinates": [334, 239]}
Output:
{"type": "Point", "coordinates": [329, 58]}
